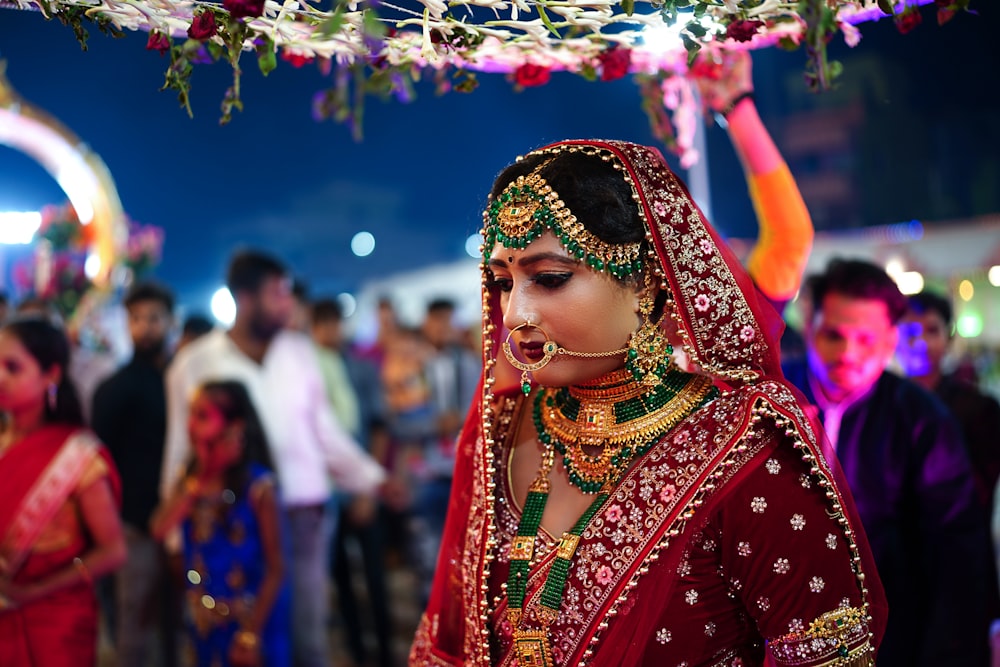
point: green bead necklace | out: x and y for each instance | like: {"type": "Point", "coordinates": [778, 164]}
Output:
{"type": "Point", "coordinates": [627, 417]}
{"type": "Point", "coordinates": [619, 415]}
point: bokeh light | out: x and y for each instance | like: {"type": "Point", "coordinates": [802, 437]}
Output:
{"type": "Point", "coordinates": [969, 325]}
{"type": "Point", "coordinates": [909, 282]}
{"type": "Point", "coordinates": [965, 290]}
{"type": "Point", "coordinates": [363, 244]}
{"type": "Point", "coordinates": [472, 245]}
{"type": "Point", "coordinates": [224, 307]}
{"type": "Point", "coordinates": [994, 275]}
{"type": "Point", "coordinates": [348, 303]}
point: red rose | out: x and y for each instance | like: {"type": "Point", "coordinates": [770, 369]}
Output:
{"type": "Point", "coordinates": [203, 26]}
{"type": "Point", "coordinates": [945, 14]}
{"type": "Point", "coordinates": [158, 42]}
{"type": "Point", "coordinates": [296, 59]}
{"type": "Point", "coordinates": [244, 8]}
{"type": "Point", "coordinates": [742, 30]}
{"type": "Point", "coordinates": [531, 75]}
{"type": "Point", "coordinates": [908, 20]}
{"type": "Point", "coordinates": [705, 68]}
{"type": "Point", "coordinates": [615, 63]}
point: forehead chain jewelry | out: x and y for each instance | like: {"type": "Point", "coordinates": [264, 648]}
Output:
{"type": "Point", "coordinates": [528, 206]}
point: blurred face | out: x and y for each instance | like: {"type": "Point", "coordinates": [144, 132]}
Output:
{"type": "Point", "coordinates": [580, 309]}
{"type": "Point", "coordinates": [271, 307]}
{"type": "Point", "coordinates": [23, 384]}
{"type": "Point", "coordinates": [438, 328]}
{"type": "Point", "coordinates": [327, 333]}
{"type": "Point", "coordinates": [148, 325]}
{"type": "Point", "coordinates": [923, 342]}
{"type": "Point", "coordinates": [216, 443]}
{"type": "Point", "coordinates": [850, 341]}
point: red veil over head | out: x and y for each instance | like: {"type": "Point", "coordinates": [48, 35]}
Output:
{"type": "Point", "coordinates": [728, 329]}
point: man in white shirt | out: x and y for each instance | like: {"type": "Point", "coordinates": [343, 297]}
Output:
{"type": "Point", "coordinates": [308, 445]}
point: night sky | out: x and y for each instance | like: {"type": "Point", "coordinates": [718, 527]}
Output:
{"type": "Point", "coordinates": [276, 178]}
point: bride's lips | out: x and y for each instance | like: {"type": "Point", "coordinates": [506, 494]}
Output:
{"type": "Point", "coordinates": [531, 351]}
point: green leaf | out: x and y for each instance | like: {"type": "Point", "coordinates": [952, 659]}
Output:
{"type": "Point", "coordinates": [106, 27]}
{"type": "Point", "coordinates": [628, 6]}
{"type": "Point", "coordinates": [692, 47]}
{"type": "Point", "coordinates": [73, 17]}
{"type": "Point", "coordinates": [215, 49]}
{"type": "Point", "coordinates": [467, 83]}
{"type": "Point", "coordinates": [332, 25]}
{"type": "Point", "coordinates": [886, 7]}
{"type": "Point", "coordinates": [834, 69]}
{"type": "Point", "coordinates": [696, 29]}
{"type": "Point", "coordinates": [372, 25]}
{"type": "Point", "coordinates": [700, 10]}
{"type": "Point", "coordinates": [267, 56]}
{"type": "Point", "coordinates": [788, 44]}
{"type": "Point", "coordinates": [542, 14]}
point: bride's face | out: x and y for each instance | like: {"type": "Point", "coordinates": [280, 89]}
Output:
{"type": "Point", "coordinates": [579, 308]}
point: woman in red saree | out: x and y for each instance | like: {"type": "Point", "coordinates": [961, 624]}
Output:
{"type": "Point", "coordinates": [59, 526]}
{"type": "Point", "coordinates": [611, 508]}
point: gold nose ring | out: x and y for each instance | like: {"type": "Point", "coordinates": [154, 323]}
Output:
{"type": "Point", "coordinates": [549, 350]}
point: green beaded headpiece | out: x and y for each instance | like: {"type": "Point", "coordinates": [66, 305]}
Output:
{"type": "Point", "coordinates": [528, 206]}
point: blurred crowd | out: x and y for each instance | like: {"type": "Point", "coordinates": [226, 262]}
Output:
{"type": "Point", "coordinates": [272, 463]}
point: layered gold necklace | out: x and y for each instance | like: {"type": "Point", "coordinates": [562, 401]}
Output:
{"type": "Point", "coordinates": [615, 415]}
{"type": "Point", "coordinates": [624, 416]}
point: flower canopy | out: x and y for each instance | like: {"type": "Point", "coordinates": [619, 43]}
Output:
{"type": "Point", "coordinates": [383, 46]}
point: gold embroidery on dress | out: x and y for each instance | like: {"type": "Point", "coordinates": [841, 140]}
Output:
{"type": "Point", "coordinates": [838, 638]}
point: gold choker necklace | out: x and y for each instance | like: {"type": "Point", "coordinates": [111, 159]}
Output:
{"type": "Point", "coordinates": [618, 414]}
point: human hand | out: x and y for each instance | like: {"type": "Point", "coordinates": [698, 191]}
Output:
{"type": "Point", "coordinates": [14, 595]}
{"type": "Point", "coordinates": [721, 77]}
{"type": "Point", "coordinates": [244, 650]}
{"type": "Point", "coordinates": [395, 493]}
{"type": "Point", "coordinates": [361, 511]}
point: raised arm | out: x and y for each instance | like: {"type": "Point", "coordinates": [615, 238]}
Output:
{"type": "Point", "coordinates": [785, 235]}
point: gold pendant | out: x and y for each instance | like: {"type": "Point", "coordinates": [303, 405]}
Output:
{"type": "Point", "coordinates": [532, 648]}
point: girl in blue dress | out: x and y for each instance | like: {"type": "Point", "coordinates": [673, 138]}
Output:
{"type": "Point", "coordinates": [237, 601]}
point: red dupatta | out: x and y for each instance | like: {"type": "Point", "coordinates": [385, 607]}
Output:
{"type": "Point", "coordinates": [37, 475]}
{"type": "Point", "coordinates": [729, 330]}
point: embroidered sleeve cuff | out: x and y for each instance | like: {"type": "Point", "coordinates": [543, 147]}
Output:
{"type": "Point", "coordinates": [838, 638]}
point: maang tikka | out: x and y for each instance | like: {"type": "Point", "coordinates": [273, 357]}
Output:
{"type": "Point", "coordinates": [528, 206]}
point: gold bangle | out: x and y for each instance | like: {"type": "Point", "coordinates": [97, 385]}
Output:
{"type": "Point", "coordinates": [85, 574]}
{"type": "Point", "coordinates": [247, 639]}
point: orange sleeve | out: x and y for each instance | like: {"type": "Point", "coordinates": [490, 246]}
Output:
{"type": "Point", "coordinates": [778, 258]}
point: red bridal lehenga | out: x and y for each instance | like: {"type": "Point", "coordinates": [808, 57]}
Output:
{"type": "Point", "coordinates": [729, 540]}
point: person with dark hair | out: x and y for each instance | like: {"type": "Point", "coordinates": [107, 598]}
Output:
{"type": "Point", "coordinates": [129, 414]}
{"type": "Point", "coordinates": [4, 306]}
{"type": "Point", "coordinates": [194, 327]}
{"type": "Point", "coordinates": [903, 456]}
{"type": "Point", "coordinates": [59, 499]}
{"type": "Point", "coordinates": [450, 373]}
{"type": "Point", "coordinates": [309, 446]}
{"type": "Point", "coordinates": [926, 334]}
{"type": "Point", "coordinates": [355, 390]}
{"type": "Point", "coordinates": [610, 507]}
{"type": "Point", "coordinates": [234, 554]}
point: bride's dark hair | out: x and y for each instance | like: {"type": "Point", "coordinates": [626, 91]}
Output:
{"type": "Point", "coordinates": [592, 189]}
